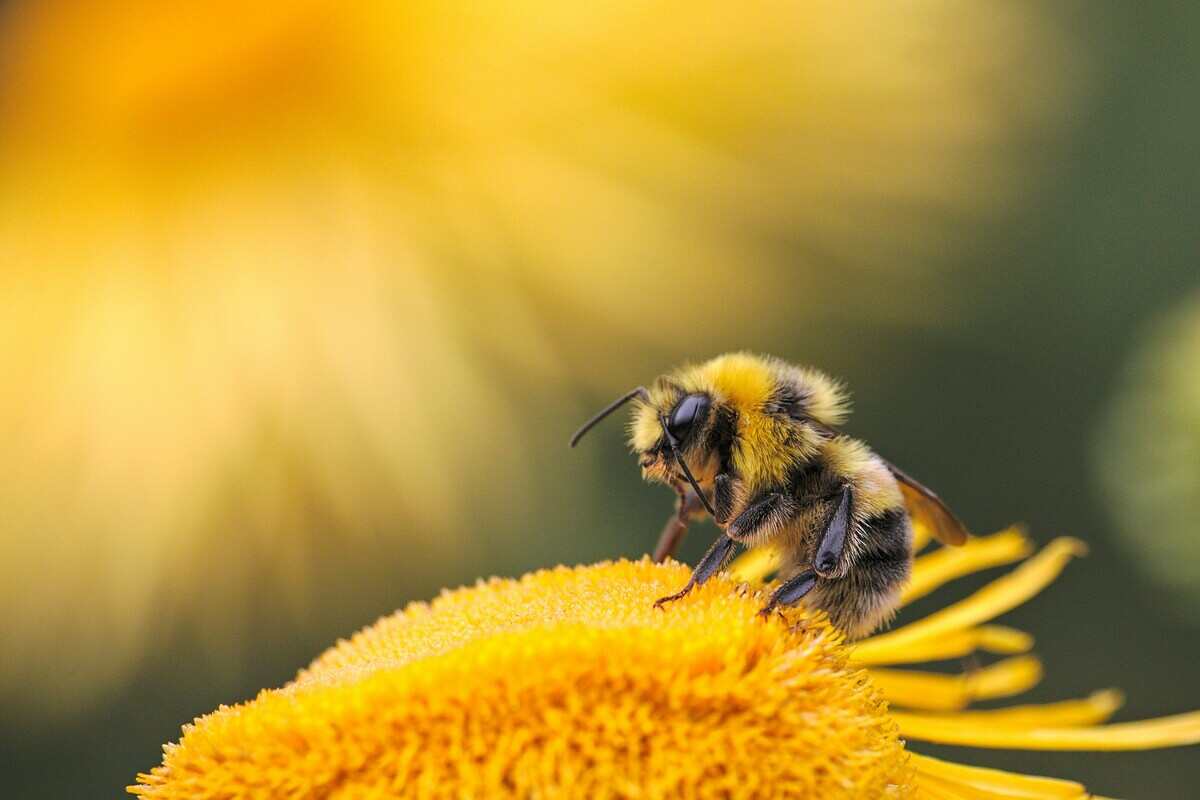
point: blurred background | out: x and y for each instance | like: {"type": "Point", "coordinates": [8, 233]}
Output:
{"type": "Point", "coordinates": [300, 301]}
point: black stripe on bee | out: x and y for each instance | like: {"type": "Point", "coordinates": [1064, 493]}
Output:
{"type": "Point", "coordinates": [785, 400]}
{"type": "Point", "coordinates": [813, 480]}
{"type": "Point", "coordinates": [886, 539]}
{"type": "Point", "coordinates": [790, 401]}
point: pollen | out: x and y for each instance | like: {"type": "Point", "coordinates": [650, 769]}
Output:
{"type": "Point", "coordinates": [565, 682]}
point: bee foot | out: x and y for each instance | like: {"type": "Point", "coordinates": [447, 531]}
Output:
{"type": "Point", "coordinates": [671, 598]}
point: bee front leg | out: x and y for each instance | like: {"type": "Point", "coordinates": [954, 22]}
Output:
{"type": "Point", "coordinates": [762, 516]}
{"type": "Point", "coordinates": [686, 509]}
{"type": "Point", "coordinates": [723, 498]}
{"type": "Point", "coordinates": [710, 565]}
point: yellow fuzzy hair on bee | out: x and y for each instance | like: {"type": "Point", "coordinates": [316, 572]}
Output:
{"type": "Point", "coordinates": [768, 447]}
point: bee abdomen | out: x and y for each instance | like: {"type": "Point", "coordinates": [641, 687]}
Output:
{"type": "Point", "coordinates": [880, 564]}
{"type": "Point", "coordinates": [886, 536]}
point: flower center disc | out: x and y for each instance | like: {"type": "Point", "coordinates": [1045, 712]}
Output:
{"type": "Point", "coordinates": [565, 681]}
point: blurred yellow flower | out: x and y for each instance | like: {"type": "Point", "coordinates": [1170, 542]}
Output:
{"type": "Point", "coordinates": [569, 682]}
{"type": "Point", "coordinates": [282, 269]}
{"type": "Point", "coordinates": [1148, 455]}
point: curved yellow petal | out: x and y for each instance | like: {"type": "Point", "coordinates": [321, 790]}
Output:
{"type": "Point", "coordinates": [992, 638]}
{"type": "Point", "coordinates": [983, 782]}
{"type": "Point", "coordinates": [936, 787]}
{"type": "Point", "coordinates": [938, 790]}
{"type": "Point", "coordinates": [922, 535]}
{"type": "Point", "coordinates": [992, 600]}
{"type": "Point", "coordinates": [935, 692]}
{"type": "Point", "coordinates": [755, 564]}
{"type": "Point", "coordinates": [1174, 731]}
{"type": "Point", "coordinates": [1096, 708]}
{"type": "Point", "coordinates": [1002, 639]}
{"type": "Point", "coordinates": [944, 565]}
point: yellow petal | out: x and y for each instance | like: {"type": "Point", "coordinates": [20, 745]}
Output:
{"type": "Point", "coordinates": [755, 564]}
{"type": "Point", "coordinates": [1069, 713]}
{"type": "Point", "coordinates": [921, 536]}
{"type": "Point", "coordinates": [982, 782]}
{"type": "Point", "coordinates": [948, 563]}
{"type": "Point", "coordinates": [932, 789]}
{"type": "Point", "coordinates": [992, 600]}
{"type": "Point", "coordinates": [932, 691]}
{"type": "Point", "coordinates": [992, 638]}
{"type": "Point", "coordinates": [938, 788]}
{"type": "Point", "coordinates": [1174, 731]}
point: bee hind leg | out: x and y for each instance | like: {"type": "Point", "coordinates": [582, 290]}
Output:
{"type": "Point", "coordinates": [829, 555]}
{"type": "Point", "coordinates": [868, 595]}
{"type": "Point", "coordinates": [833, 540]}
{"type": "Point", "coordinates": [792, 591]}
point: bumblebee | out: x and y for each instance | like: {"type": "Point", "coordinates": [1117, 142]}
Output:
{"type": "Point", "coordinates": [754, 443]}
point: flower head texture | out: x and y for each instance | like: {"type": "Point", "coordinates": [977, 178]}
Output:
{"type": "Point", "coordinates": [565, 679]}
{"type": "Point", "coordinates": [568, 682]}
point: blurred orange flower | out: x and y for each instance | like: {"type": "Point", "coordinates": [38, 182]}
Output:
{"type": "Point", "coordinates": [278, 271]}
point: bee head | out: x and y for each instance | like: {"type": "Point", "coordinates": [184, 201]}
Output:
{"type": "Point", "coordinates": [686, 417]}
{"type": "Point", "coordinates": [676, 423]}
{"type": "Point", "coordinates": [737, 414]}
{"type": "Point", "coordinates": [668, 430]}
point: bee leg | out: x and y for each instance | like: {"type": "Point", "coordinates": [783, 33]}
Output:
{"type": "Point", "coordinates": [791, 592]}
{"type": "Point", "coordinates": [722, 498]}
{"type": "Point", "coordinates": [867, 590]}
{"type": "Point", "coordinates": [768, 511]}
{"type": "Point", "coordinates": [668, 540]}
{"type": "Point", "coordinates": [826, 561]}
{"type": "Point", "coordinates": [833, 540]}
{"type": "Point", "coordinates": [710, 565]}
{"type": "Point", "coordinates": [687, 507]}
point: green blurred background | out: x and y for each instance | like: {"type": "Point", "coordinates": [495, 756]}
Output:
{"type": "Point", "coordinates": [300, 303]}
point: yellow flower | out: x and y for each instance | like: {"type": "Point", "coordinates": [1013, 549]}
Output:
{"type": "Point", "coordinates": [568, 682]}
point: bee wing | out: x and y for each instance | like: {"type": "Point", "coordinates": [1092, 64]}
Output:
{"type": "Point", "coordinates": [923, 504]}
{"type": "Point", "coordinates": [928, 509]}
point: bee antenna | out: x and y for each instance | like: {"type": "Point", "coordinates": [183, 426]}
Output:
{"type": "Point", "coordinates": [639, 392]}
{"type": "Point", "coordinates": [687, 473]}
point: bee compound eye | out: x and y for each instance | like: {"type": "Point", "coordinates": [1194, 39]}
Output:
{"type": "Point", "coordinates": [685, 414]}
